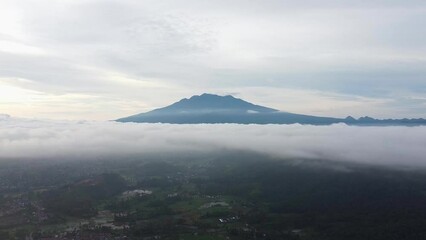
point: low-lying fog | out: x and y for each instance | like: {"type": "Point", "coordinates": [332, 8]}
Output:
{"type": "Point", "coordinates": [36, 139]}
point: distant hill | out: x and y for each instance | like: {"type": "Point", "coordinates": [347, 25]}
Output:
{"type": "Point", "coordinates": [210, 108]}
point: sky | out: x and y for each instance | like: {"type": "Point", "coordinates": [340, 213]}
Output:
{"type": "Point", "coordinates": [87, 140]}
{"type": "Point", "coordinates": [104, 59]}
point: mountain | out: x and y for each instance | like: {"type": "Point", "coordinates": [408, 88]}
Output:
{"type": "Point", "coordinates": [210, 108]}
{"type": "Point", "coordinates": [210, 103]}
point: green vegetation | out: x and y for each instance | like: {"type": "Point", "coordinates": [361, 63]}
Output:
{"type": "Point", "coordinates": [227, 197]}
{"type": "Point", "coordinates": [80, 199]}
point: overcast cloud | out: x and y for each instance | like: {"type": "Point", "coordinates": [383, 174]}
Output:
{"type": "Point", "coordinates": [104, 59]}
{"type": "Point", "coordinates": [44, 140]}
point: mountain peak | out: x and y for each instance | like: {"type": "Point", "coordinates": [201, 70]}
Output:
{"type": "Point", "coordinates": [207, 102]}
{"type": "Point", "coordinates": [210, 96]}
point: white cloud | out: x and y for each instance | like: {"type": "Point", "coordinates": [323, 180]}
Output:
{"type": "Point", "coordinates": [35, 139]}
{"type": "Point", "coordinates": [369, 49]}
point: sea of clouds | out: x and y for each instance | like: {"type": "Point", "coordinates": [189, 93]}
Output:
{"type": "Point", "coordinates": [45, 139]}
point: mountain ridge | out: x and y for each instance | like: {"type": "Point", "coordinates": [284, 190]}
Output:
{"type": "Point", "coordinates": [212, 108]}
{"type": "Point", "coordinates": [213, 103]}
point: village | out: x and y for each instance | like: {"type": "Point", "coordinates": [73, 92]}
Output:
{"type": "Point", "coordinates": [153, 207]}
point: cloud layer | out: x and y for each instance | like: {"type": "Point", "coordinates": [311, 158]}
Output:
{"type": "Point", "coordinates": [35, 139]}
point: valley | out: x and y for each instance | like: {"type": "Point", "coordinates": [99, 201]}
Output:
{"type": "Point", "coordinates": [226, 196]}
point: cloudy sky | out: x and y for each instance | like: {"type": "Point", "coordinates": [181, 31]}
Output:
{"type": "Point", "coordinates": [101, 59]}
